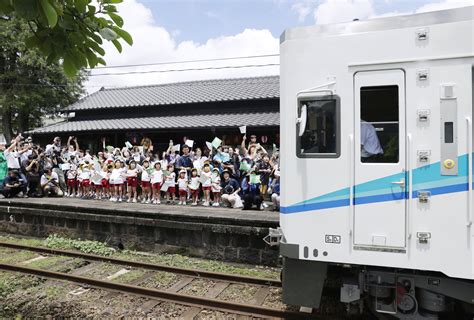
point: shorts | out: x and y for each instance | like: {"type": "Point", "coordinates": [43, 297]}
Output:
{"type": "Point", "coordinates": [105, 183]}
{"type": "Point", "coordinates": [146, 184]}
{"type": "Point", "coordinates": [85, 183]}
{"type": "Point", "coordinates": [156, 186]}
{"type": "Point", "coordinates": [171, 190]}
{"type": "Point", "coordinates": [194, 192]}
{"type": "Point", "coordinates": [71, 183]}
{"type": "Point", "coordinates": [132, 181]}
{"type": "Point", "coordinates": [206, 188]}
{"type": "Point", "coordinates": [183, 192]}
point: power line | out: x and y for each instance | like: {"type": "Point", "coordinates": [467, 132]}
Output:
{"type": "Point", "coordinates": [185, 61]}
{"type": "Point", "coordinates": [189, 69]}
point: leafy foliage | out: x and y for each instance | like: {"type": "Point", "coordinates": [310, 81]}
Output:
{"type": "Point", "coordinates": [87, 246]}
{"type": "Point", "coordinates": [30, 87]}
{"type": "Point", "coordinates": [70, 31]}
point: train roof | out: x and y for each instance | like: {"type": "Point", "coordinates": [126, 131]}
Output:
{"type": "Point", "coordinates": [380, 24]}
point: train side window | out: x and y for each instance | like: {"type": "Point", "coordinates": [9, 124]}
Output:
{"type": "Point", "coordinates": [320, 137]}
{"type": "Point", "coordinates": [379, 124]}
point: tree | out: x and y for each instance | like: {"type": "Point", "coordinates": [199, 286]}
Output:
{"type": "Point", "coordinates": [70, 31]}
{"type": "Point", "coordinates": [30, 87]}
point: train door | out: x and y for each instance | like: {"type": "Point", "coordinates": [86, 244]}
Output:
{"type": "Point", "coordinates": [380, 179]}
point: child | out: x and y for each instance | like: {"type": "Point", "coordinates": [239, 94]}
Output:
{"type": "Point", "coordinates": [132, 181]}
{"type": "Point", "coordinates": [71, 180]}
{"type": "Point", "coordinates": [171, 180]}
{"type": "Point", "coordinates": [117, 180]}
{"type": "Point", "coordinates": [183, 187]}
{"type": "Point", "coordinates": [194, 186]}
{"type": "Point", "coordinates": [156, 181]}
{"type": "Point", "coordinates": [216, 187]}
{"type": "Point", "coordinates": [98, 186]}
{"type": "Point", "coordinates": [85, 177]}
{"type": "Point", "coordinates": [206, 184]}
{"type": "Point", "coordinates": [146, 187]}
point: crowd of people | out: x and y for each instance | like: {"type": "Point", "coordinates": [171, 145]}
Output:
{"type": "Point", "coordinates": [215, 175]}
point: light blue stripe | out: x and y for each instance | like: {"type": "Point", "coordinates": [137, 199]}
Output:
{"type": "Point", "coordinates": [424, 178]}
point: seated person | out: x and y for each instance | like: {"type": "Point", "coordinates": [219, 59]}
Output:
{"type": "Point", "coordinates": [13, 185]}
{"type": "Point", "coordinates": [252, 195]}
{"type": "Point", "coordinates": [230, 189]}
{"type": "Point", "coordinates": [50, 183]}
{"type": "Point", "coordinates": [370, 149]}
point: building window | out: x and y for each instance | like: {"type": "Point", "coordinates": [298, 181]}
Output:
{"type": "Point", "coordinates": [379, 110]}
{"type": "Point", "coordinates": [318, 133]}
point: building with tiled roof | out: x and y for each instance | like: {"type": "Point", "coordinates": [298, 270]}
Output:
{"type": "Point", "coordinates": [198, 110]}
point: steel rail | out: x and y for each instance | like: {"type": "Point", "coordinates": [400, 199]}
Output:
{"type": "Point", "coordinates": [148, 266]}
{"type": "Point", "coordinates": [184, 299]}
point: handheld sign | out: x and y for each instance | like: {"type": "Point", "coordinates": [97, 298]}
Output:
{"type": "Point", "coordinates": [216, 142]}
{"type": "Point", "coordinates": [243, 129]}
{"type": "Point", "coordinates": [189, 143]}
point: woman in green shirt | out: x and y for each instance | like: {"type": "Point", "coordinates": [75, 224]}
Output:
{"type": "Point", "coordinates": [3, 164]}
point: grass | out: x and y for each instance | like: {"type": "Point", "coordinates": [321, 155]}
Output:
{"type": "Point", "coordinates": [174, 260]}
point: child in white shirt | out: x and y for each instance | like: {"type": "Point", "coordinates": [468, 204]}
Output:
{"type": "Point", "coordinates": [146, 186]}
{"type": "Point", "coordinates": [117, 179]}
{"type": "Point", "coordinates": [183, 187]}
{"type": "Point", "coordinates": [206, 184]}
{"type": "Point", "coordinates": [194, 186]}
{"type": "Point", "coordinates": [156, 181]}
{"type": "Point", "coordinates": [216, 187]}
{"type": "Point", "coordinates": [71, 180]}
{"type": "Point", "coordinates": [170, 179]}
{"type": "Point", "coordinates": [132, 181]}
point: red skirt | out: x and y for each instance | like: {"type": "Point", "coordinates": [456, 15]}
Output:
{"type": "Point", "coordinates": [105, 183]}
{"type": "Point", "coordinates": [132, 181]}
{"type": "Point", "coordinates": [206, 188]}
{"type": "Point", "coordinates": [85, 183]}
{"type": "Point", "coordinates": [157, 186]}
{"type": "Point", "coordinates": [171, 190]}
{"type": "Point", "coordinates": [194, 192]}
{"type": "Point", "coordinates": [71, 183]}
{"type": "Point", "coordinates": [183, 192]}
{"type": "Point", "coordinates": [146, 184]}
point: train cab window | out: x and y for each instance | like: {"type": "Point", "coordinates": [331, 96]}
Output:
{"type": "Point", "coordinates": [379, 124]}
{"type": "Point", "coordinates": [319, 127]}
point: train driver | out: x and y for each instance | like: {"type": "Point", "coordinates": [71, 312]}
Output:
{"type": "Point", "coordinates": [370, 149]}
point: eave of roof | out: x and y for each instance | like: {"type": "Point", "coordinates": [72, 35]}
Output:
{"type": "Point", "coordinates": [216, 90]}
{"type": "Point", "coordinates": [217, 120]}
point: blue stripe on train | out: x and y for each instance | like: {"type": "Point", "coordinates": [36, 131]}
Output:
{"type": "Point", "coordinates": [371, 199]}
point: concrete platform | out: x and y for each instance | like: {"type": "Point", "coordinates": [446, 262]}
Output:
{"type": "Point", "coordinates": [219, 233]}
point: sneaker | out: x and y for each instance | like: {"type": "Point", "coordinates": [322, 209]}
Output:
{"type": "Point", "coordinates": [112, 199]}
{"type": "Point", "coordinates": [128, 200]}
{"type": "Point", "coordinates": [158, 202]}
{"type": "Point", "coordinates": [206, 204]}
{"type": "Point", "coordinates": [215, 204]}
{"type": "Point", "coordinates": [148, 201]}
{"type": "Point", "coordinates": [134, 200]}
{"type": "Point", "coordinates": [143, 200]}
{"type": "Point", "coordinates": [194, 204]}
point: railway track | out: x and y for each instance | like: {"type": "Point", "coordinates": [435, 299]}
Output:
{"type": "Point", "coordinates": [197, 303]}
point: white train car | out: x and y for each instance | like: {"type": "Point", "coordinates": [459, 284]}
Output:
{"type": "Point", "coordinates": [376, 160]}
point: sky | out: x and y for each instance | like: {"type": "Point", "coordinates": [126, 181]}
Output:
{"type": "Point", "coordinates": [182, 30]}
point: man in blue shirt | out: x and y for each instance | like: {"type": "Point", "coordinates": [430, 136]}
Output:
{"type": "Point", "coordinates": [369, 142]}
{"type": "Point", "coordinates": [12, 185]}
{"type": "Point", "coordinates": [185, 162]}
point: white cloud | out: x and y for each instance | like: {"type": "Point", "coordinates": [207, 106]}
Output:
{"type": "Point", "coordinates": [153, 43]}
{"type": "Point", "coordinates": [303, 9]}
{"type": "Point", "coordinates": [334, 11]}
{"type": "Point", "coordinates": [442, 5]}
